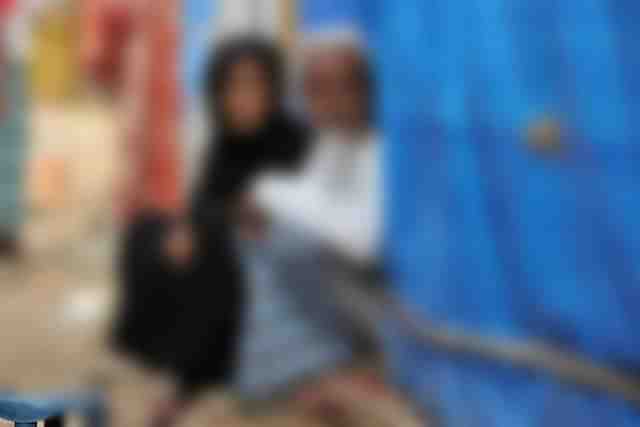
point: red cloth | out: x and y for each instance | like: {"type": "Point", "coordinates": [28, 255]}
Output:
{"type": "Point", "coordinates": [109, 28]}
{"type": "Point", "coordinates": [154, 156]}
{"type": "Point", "coordinates": [5, 8]}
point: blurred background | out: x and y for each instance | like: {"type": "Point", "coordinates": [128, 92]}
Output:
{"type": "Point", "coordinates": [511, 193]}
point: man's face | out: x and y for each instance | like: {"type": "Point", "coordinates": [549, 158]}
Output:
{"type": "Point", "coordinates": [335, 90]}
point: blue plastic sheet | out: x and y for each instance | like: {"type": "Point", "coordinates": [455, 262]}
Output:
{"type": "Point", "coordinates": [197, 42]}
{"type": "Point", "coordinates": [486, 233]}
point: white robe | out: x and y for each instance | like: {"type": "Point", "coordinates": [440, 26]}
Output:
{"type": "Point", "coordinates": [336, 197]}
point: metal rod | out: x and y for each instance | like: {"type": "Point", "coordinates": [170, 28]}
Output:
{"type": "Point", "coordinates": [570, 368]}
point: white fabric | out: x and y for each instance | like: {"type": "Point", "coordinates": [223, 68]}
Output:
{"type": "Point", "coordinates": [336, 196]}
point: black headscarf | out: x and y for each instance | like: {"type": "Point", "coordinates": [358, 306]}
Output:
{"type": "Point", "coordinates": [233, 158]}
{"type": "Point", "coordinates": [230, 52]}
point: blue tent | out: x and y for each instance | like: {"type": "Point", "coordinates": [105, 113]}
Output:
{"type": "Point", "coordinates": [513, 176]}
{"type": "Point", "coordinates": [197, 39]}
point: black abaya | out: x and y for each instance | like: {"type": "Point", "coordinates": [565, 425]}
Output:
{"type": "Point", "coordinates": [187, 321]}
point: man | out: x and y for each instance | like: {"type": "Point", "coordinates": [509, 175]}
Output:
{"type": "Point", "coordinates": [325, 224]}
{"type": "Point", "coordinates": [337, 197]}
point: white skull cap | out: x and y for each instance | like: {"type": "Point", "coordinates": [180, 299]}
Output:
{"type": "Point", "coordinates": [341, 36]}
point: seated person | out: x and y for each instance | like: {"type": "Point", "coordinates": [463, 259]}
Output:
{"type": "Point", "coordinates": [337, 196]}
{"type": "Point", "coordinates": [299, 340]}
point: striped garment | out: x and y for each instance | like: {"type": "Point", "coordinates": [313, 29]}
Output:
{"type": "Point", "coordinates": [293, 331]}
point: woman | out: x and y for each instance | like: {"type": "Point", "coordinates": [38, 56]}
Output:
{"type": "Point", "coordinates": [184, 292]}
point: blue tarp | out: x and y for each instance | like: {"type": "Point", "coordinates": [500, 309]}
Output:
{"type": "Point", "coordinates": [489, 235]}
{"type": "Point", "coordinates": [197, 41]}
{"type": "Point", "coordinates": [317, 15]}
{"type": "Point", "coordinates": [198, 25]}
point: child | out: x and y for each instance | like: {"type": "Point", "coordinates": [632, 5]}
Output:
{"type": "Point", "coordinates": [184, 292]}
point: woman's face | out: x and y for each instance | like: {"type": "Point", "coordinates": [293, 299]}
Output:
{"type": "Point", "coordinates": [247, 97]}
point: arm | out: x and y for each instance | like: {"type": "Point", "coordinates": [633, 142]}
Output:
{"type": "Point", "coordinates": [348, 223]}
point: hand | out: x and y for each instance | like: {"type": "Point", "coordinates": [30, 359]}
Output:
{"type": "Point", "coordinates": [180, 245]}
{"type": "Point", "coordinates": [251, 219]}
